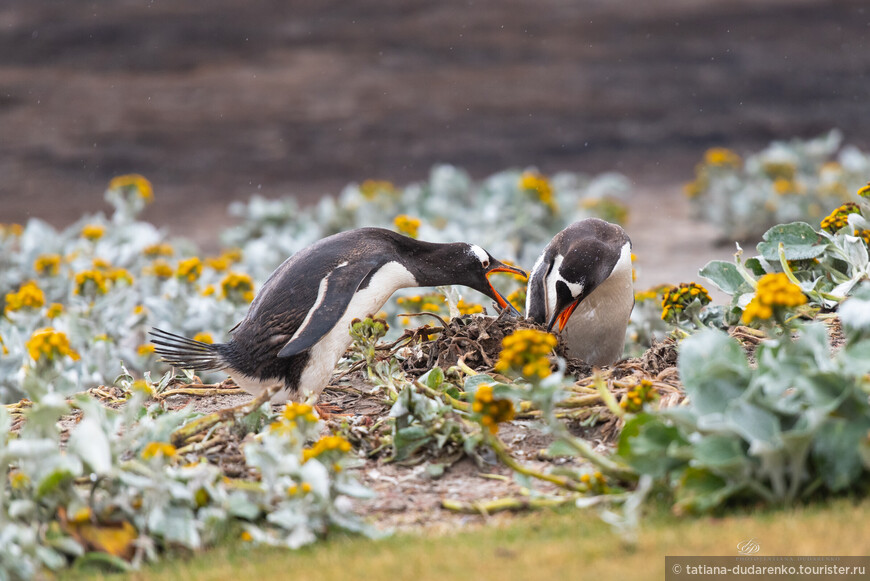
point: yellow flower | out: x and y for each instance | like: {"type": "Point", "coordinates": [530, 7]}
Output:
{"type": "Point", "coordinates": [722, 157]}
{"type": "Point", "coordinates": [518, 299]}
{"type": "Point", "coordinates": [120, 274]}
{"type": "Point", "coordinates": [158, 250]}
{"type": "Point", "coordinates": [489, 410]}
{"type": "Point", "coordinates": [779, 170]}
{"type": "Point", "coordinates": [237, 287]}
{"type": "Point", "coordinates": [101, 263]}
{"type": "Point", "coordinates": [47, 344]}
{"type": "Point", "coordinates": [189, 269]}
{"type": "Point", "coordinates": [203, 338]}
{"type": "Point", "coordinates": [208, 291]}
{"type": "Point", "coordinates": [607, 209]}
{"type": "Point", "coordinates": [145, 350]}
{"type": "Point", "coordinates": [775, 292]}
{"type": "Point", "coordinates": [48, 264]}
{"type": "Point", "coordinates": [676, 299]}
{"type": "Point", "coordinates": [468, 308]}
{"type": "Point", "coordinates": [323, 445]}
{"type": "Point", "coordinates": [139, 310]}
{"type": "Point", "coordinates": [18, 480]}
{"type": "Point", "coordinates": [863, 234]}
{"type": "Point", "coordinates": [525, 351]}
{"type": "Point", "coordinates": [89, 281]}
{"type": "Point", "coordinates": [14, 230]}
{"type": "Point", "coordinates": [535, 183]}
{"type": "Point", "coordinates": [159, 268]}
{"type": "Point", "coordinates": [372, 188]}
{"type": "Point", "coordinates": [407, 225]}
{"type": "Point", "coordinates": [865, 191]}
{"type": "Point", "coordinates": [54, 310]}
{"type": "Point", "coordinates": [246, 536]}
{"type": "Point", "coordinates": [785, 186]}
{"type": "Point", "coordinates": [641, 393]}
{"type": "Point", "coordinates": [29, 296]}
{"type": "Point", "coordinates": [134, 182]}
{"type": "Point", "coordinates": [93, 232]}
{"type": "Point", "coordinates": [154, 449]}
{"type": "Point", "coordinates": [839, 217]}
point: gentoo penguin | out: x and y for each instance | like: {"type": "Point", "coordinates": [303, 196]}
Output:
{"type": "Point", "coordinates": [583, 281]}
{"type": "Point", "coordinates": [298, 325]}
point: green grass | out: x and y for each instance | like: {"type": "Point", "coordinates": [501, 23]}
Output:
{"type": "Point", "coordinates": [542, 545]}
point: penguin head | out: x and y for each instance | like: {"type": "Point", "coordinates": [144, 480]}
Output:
{"type": "Point", "coordinates": [584, 261]}
{"type": "Point", "coordinates": [472, 269]}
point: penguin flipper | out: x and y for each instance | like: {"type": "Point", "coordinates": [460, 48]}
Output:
{"type": "Point", "coordinates": [333, 297]}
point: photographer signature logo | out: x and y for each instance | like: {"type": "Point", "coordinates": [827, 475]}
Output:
{"type": "Point", "coordinates": [749, 547]}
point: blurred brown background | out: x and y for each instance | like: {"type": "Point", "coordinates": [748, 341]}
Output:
{"type": "Point", "coordinates": [217, 101]}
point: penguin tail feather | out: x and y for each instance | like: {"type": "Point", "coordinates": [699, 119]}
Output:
{"type": "Point", "coordinates": [186, 353]}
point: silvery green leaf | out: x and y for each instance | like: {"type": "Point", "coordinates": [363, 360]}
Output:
{"type": "Point", "coordinates": [21, 508]}
{"type": "Point", "coordinates": [856, 250]}
{"type": "Point", "coordinates": [315, 474]}
{"type": "Point", "coordinates": [855, 311]}
{"type": "Point", "coordinates": [91, 443]}
{"type": "Point", "coordinates": [725, 276]}
{"type": "Point", "coordinates": [758, 426]}
{"type": "Point", "coordinates": [239, 505]}
{"type": "Point", "coordinates": [801, 242]}
{"type": "Point", "coordinates": [836, 450]}
{"type": "Point", "coordinates": [713, 369]}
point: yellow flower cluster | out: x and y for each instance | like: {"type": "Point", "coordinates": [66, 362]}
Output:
{"type": "Point", "coordinates": [7, 230]}
{"type": "Point", "coordinates": [133, 182]}
{"type": "Point", "coordinates": [93, 232]}
{"type": "Point", "coordinates": [154, 449]}
{"type": "Point", "coordinates": [786, 187]}
{"type": "Point", "coordinates": [863, 234]}
{"type": "Point", "coordinates": [491, 411]}
{"type": "Point", "coordinates": [607, 209]}
{"type": "Point", "coordinates": [518, 299]}
{"type": "Point", "coordinates": [677, 298]}
{"type": "Point", "coordinates": [294, 489]}
{"type": "Point", "coordinates": [53, 311]}
{"type": "Point", "coordinates": [865, 191]}
{"type": "Point", "coordinates": [203, 337]}
{"type": "Point", "coordinates": [91, 281]}
{"type": "Point", "coordinates": [158, 250]}
{"type": "Point", "coordinates": [595, 482]}
{"type": "Point", "coordinates": [237, 287]}
{"type": "Point", "coordinates": [407, 225]}
{"type": "Point", "coordinates": [48, 264]}
{"type": "Point", "coordinates": [159, 268]}
{"type": "Point", "coordinates": [468, 308]}
{"type": "Point", "coordinates": [145, 350]}
{"type": "Point", "coordinates": [430, 303]}
{"type": "Point", "coordinates": [722, 157]}
{"type": "Point", "coordinates": [29, 296]}
{"type": "Point", "coordinates": [371, 188]}
{"type": "Point", "coordinates": [189, 269]}
{"type": "Point", "coordinates": [225, 260]}
{"type": "Point", "coordinates": [326, 444]}
{"type": "Point", "coordinates": [839, 217]}
{"type": "Point", "coordinates": [537, 184]}
{"type": "Point", "coordinates": [638, 395]}
{"type": "Point", "coordinates": [775, 291]}
{"type": "Point", "coordinates": [47, 344]}
{"type": "Point", "coordinates": [525, 351]}
{"type": "Point", "coordinates": [292, 414]}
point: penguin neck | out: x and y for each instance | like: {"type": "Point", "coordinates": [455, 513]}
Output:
{"type": "Point", "coordinates": [596, 330]}
{"type": "Point", "coordinates": [434, 264]}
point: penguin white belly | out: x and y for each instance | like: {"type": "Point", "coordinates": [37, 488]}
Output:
{"type": "Point", "coordinates": [595, 332]}
{"type": "Point", "coordinates": [325, 353]}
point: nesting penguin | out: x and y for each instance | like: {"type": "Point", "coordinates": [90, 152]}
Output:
{"type": "Point", "coordinates": [298, 325]}
{"type": "Point", "coordinates": [583, 282]}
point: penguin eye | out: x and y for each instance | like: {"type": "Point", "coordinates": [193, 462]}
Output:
{"type": "Point", "coordinates": [485, 262]}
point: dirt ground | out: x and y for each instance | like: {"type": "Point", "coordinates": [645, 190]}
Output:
{"type": "Point", "coordinates": [299, 98]}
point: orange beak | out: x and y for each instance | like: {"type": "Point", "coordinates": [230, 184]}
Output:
{"type": "Point", "coordinates": [500, 267]}
{"type": "Point", "coordinates": [563, 317]}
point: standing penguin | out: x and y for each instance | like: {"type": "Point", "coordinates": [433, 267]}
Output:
{"type": "Point", "coordinates": [583, 280]}
{"type": "Point", "coordinates": [297, 328]}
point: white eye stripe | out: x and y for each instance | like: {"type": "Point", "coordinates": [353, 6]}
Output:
{"type": "Point", "coordinates": [480, 253]}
